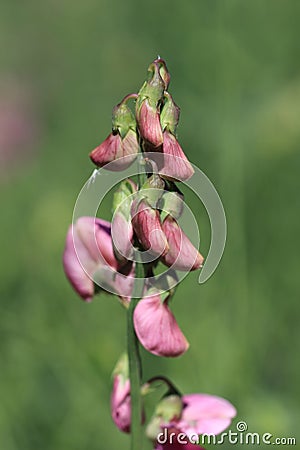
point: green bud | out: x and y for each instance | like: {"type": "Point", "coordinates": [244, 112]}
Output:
{"type": "Point", "coordinates": [169, 116]}
{"type": "Point", "coordinates": [122, 119]}
{"type": "Point", "coordinates": [123, 197]}
{"type": "Point", "coordinates": [172, 203]}
{"type": "Point", "coordinates": [168, 409]}
{"type": "Point", "coordinates": [153, 88]}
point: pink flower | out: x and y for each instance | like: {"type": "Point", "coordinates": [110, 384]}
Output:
{"type": "Point", "coordinates": [147, 227]}
{"type": "Point", "coordinates": [118, 151]}
{"type": "Point", "coordinates": [176, 166]}
{"type": "Point", "coordinates": [157, 329]}
{"type": "Point", "coordinates": [182, 255]}
{"type": "Point", "coordinates": [200, 414]}
{"type": "Point", "coordinates": [149, 123]}
{"type": "Point", "coordinates": [89, 254]}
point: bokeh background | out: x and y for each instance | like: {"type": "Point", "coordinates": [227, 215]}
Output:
{"type": "Point", "coordinates": [236, 75]}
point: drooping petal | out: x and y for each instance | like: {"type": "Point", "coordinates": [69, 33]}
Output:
{"type": "Point", "coordinates": [175, 164]}
{"type": "Point", "coordinates": [115, 153]}
{"type": "Point", "coordinates": [182, 255]}
{"type": "Point", "coordinates": [147, 227]}
{"type": "Point", "coordinates": [157, 329]}
{"type": "Point", "coordinates": [204, 413]}
{"type": "Point", "coordinates": [108, 151]}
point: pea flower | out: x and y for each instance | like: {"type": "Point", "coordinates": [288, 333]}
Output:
{"type": "Point", "coordinates": [121, 146]}
{"type": "Point", "coordinates": [89, 255]}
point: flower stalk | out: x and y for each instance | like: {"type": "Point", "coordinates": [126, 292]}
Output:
{"type": "Point", "coordinates": [135, 368]}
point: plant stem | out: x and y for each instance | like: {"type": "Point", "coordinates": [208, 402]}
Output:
{"type": "Point", "coordinates": [135, 365]}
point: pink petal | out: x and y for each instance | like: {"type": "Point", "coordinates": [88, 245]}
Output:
{"type": "Point", "coordinates": [108, 151]}
{"type": "Point", "coordinates": [157, 329]}
{"type": "Point", "coordinates": [182, 255]}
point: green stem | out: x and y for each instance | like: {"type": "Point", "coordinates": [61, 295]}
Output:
{"type": "Point", "coordinates": [135, 365]}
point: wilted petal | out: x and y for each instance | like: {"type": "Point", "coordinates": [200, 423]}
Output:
{"type": "Point", "coordinates": [157, 329]}
{"type": "Point", "coordinates": [175, 164]}
{"type": "Point", "coordinates": [149, 124]}
{"type": "Point", "coordinates": [147, 227]}
{"type": "Point", "coordinates": [182, 255]}
{"type": "Point", "coordinates": [203, 413]}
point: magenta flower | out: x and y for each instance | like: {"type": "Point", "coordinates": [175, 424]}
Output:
{"type": "Point", "coordinates": [176, 166]}
{"type": "Point", "coordinates": [157, 329]}
{"type": "Point", "coordinates": [182, 255]}
{"type": "Point", "coordinates": [147, 227]}
{"type": "Point", "coordinates": [89, 254]}
{"type": "Point", "coordinates": [118, 151]}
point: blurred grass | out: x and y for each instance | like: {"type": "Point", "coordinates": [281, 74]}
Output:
{"type": "Point", "coordinates": [235, 74]}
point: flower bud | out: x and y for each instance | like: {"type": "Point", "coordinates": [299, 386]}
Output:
{"type": "Point", "coordinates": [147, 227]}
{"type": "Point", "coordinates": [120, 397]}
{"type": "Point", "coordinates": [147, 107]}
{"type": "Point", "coordinates": [172, 203]}
{"type": "Point", "coordinates": [121, 146]}
{"type": "Point", "coordinates": [170, 113]}
{"type": "Point", "coordinates": [169, 409]}
{"type": "Point", "coordinates": [152, 189]}
{"type": "Point", "coordinates": [182, 255]}
{"type": "Point", "coordinates": [157, 329]}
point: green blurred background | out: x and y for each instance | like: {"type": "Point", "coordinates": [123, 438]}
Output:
{"type": "Point", "coordinates": [235, 70]}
